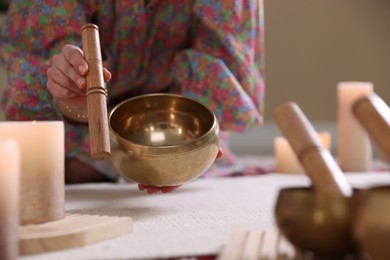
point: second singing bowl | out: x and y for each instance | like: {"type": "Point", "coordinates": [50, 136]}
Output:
{"type": "Point", "coordinates": [372, 224]}
{"type": "Point", "coordinates": [162, 139]}
{"type": "Point", "coordinates": [317, 223]}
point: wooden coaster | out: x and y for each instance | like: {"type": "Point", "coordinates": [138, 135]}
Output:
{"type": "Point", "coordinates": [75, 230]}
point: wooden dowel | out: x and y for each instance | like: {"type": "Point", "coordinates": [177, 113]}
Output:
{"type": "Point", "coordinates": [323, 171]}
{"type": "Point", "coordinates": [96, 94]}
{"type": "Point", "coordinates": [235, 246]}
{"type": "Point", "coordinates": [374, 115]}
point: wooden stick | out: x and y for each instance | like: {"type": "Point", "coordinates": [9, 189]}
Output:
{"type": "Point", "coordinates": [235, 246]}
{"type": "Point", "coordinates": [320, 166]}
{"type": "Point", "coordinates": [96, 94]}
{"type": "Point", "coordinates": [374, 115]}
{"type": "Point", "coordinates": [270, 243]}
{"type": "Point", "coordinates": [252, 248]}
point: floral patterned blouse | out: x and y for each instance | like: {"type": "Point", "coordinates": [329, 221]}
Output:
{"type": "Point", "coordinates": [209, 50]}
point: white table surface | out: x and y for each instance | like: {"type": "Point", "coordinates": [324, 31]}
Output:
{"type": "Point", "coordinates": [195, 220]}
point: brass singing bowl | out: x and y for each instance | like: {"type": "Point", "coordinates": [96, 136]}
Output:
{"type": "Point", "coordinates": [317, 223]}
{"type": "Point", "coordinates": [372, 224]}
{"type": "Point", "coordinates": [162, 139]}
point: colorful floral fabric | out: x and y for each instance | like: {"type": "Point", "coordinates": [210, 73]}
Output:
{"type": "Point", "coordinates": [209, 50]}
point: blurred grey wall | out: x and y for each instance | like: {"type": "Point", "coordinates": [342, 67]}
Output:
{"type": "Point", "coordinates": [312, 45]}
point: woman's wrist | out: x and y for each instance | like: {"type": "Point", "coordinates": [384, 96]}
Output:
{"type": "Point", "coordinates": [73, 113]}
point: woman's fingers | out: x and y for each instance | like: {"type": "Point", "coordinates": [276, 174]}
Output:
{"type": "Point", "coordinates": [79, 67]}
{"type": "Point", "coordinates": [168, 189]}
{"type": "Point", "coordinates": [60, 85]}
{"type": "Point", "coordinates": [75, 57]}
{"type": "Point", "coordinates": [149, 189]}
{"type": "Point", "coordinates": [66, 75]}
{"type": "Point", "coordinates": [65, 80]}
{"type": "Point", "coordinates": [72, 64]}
{"type": "Point", "coordinates": [106, 75]}
{"type": "Point", "coordinates": [58, 91]}
{"type": "Point", "coordinates": [220, 153]}
{"type": "Point", "coordinates": [154, 189]}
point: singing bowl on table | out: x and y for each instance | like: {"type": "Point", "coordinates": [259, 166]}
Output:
{"type": "Point", "coordinates": [162, 139]}
{"type": "Point", "coordinates": [317, 222]}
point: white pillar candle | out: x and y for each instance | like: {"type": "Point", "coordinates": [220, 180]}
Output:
{"type": "Point", "coordinates": [9, 198]}
{"type": "Point", "coordinates": [354, 145]}
{"type": "Point", "coordinates": [286, 160]}
{"type": "Point", "coordinates": [42, 181]}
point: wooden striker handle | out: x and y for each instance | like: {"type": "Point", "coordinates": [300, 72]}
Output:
{"type": "Point", "coordinates": [96, 94]}
{"type": "Point", "coordinates": [374, 115]}
{"type": "Point", "coordinates": [323, 171]}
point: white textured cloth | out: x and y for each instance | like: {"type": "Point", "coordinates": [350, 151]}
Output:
{"type": "Point", "coordinates": [195, 220]}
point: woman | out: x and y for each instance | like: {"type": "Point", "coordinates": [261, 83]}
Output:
{"type": "Point", "coordinates": [207, 50]}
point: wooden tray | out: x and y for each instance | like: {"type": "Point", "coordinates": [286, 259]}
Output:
{"type": "Point", "coordinates": [75, 230]}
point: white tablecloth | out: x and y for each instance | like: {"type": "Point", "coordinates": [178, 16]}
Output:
{"type": "Point", "coordinates": [197, 219]}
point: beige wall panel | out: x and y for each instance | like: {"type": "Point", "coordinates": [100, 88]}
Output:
{"type": "Point", "coordinates": [312, 45]}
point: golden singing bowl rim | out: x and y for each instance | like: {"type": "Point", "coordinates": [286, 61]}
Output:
{"type": "Point", "coordinates": [161, 150]}
{"type": "Point", "coordinates": [309, 194]}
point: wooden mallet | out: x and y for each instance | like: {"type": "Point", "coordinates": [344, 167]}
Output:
{"type": "Point", "coordinates": [374, 115]}
{"type": "Point", "coordinates": [320, 166]}
{"type": "Point", "coordinates": [96, 94]}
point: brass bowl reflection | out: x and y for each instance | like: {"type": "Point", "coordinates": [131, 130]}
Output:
{"type": "Point", "coordinates": [372, 224]}
{"type": "Point", "coordinates": [316, 223]}
{"type": "Point", "coordinates": [162, 139]}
